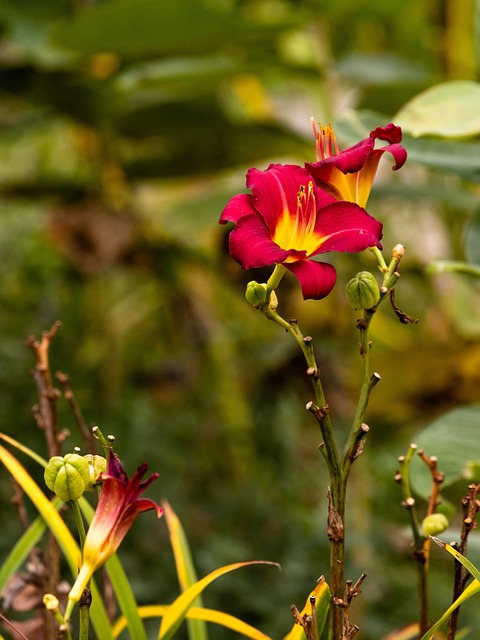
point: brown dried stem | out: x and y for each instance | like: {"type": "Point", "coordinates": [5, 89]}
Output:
{"type": "Point", "coordinates": [46, 416]}
{"type": "Point", "coordinates": [470, 506]}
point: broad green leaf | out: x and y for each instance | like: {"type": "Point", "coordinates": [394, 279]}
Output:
{"type": "Point", "coordinates": [472, 589]}
{"type": "Point", "coordinates": [186, 573]}
{"type": "Point", "coordinates": [453, 438]}
{"type": "Point", "coordinates": [449, 110]}
{"type": "Point", "coordinates": [63, 536]}
{"type": "Point", "coordinates": [380, 69]}
{"type": "Point", "coordinates": [477, 33]}
{"type": "Point", "coordinates": [322, 607]}
{"type": "Point", "coordinates": [162, 28]}
{"type": "Point", "coordinates": [196, 613]}
{"type": "Point", "coordinates": [472, 240]}
{"type": "Point", "coordinates": [177, 611]}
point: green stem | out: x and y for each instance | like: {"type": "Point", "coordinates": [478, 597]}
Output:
{"type": "Point", "coordinates": [337, 489]}
{"type": "Point", "coordinates": [85, 600]}
{"type": "Point", "coordinates": [274, 280]}
{"type": "Point", "coordinates": [84, 619]}
{"type": "Point", "coordinates": [359, 429]}
{"type": "Point", "coordinates": [418, 540]}
{"type": "Point", "coordinates": [382, 265]}
{"type": "Point", "coordinates": [79, 522]}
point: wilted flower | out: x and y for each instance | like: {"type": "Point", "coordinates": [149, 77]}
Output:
{"type": "Point", "coordinates": [117, 508]}
{"type": "Point", "coordinates": [349, 174]}
{"type": "Point", "coordinates": [288, 219]}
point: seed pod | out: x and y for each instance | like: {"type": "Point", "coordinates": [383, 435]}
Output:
{"type": "Point", "coordinates": [362, 291]}
{"type": "Point", "coordinates": [67, 476]}
{"type": "Point", "coordinates": [434, 524]}
{"type": "Point", "coordinates": [96, 466]}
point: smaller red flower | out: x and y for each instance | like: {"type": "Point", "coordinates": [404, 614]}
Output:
{"type": "Point", "coordinates": [118, 506]}
{"type": "Point", "coordinates": [287, 220]}
{"type": "Point", "coordinates": [349, 174]}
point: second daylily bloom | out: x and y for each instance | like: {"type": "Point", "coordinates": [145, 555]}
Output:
{"type": "Point", "coordinates": [117, 508]}
{"type": "Point", "coordinates": [288, 219]}
{"type": "Point", "coordinates": [349, 174]}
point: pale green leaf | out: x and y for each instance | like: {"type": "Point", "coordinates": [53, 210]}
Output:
{"type": "Point", "coordinates": [449, 110]}
{"type": "Point", "coordinates": [453, 439]}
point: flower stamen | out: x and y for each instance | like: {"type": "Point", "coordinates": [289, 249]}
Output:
{"type": "Point", "coordinates": [325, 141]}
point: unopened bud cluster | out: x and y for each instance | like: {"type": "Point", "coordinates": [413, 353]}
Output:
{"type": "Point", "coordinates": [256, 295]}
{"type": "Point", "coordinates": [71, 475]}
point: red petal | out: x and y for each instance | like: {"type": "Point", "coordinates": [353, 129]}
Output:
{"type": "Point", "coordinates": [350, 160]}
{"type": "Point", "coordinates": [345, 226]}
{"type": "Point", "coordinates": [251, 245]}
{"type": "Point", "coordinates": [275, 191]}
{"type": "Point", "coordinates": [316, 279]}
{"type": "Point", "coordinates": [239, 206]}
{"type": "Point", "coordinates": [391, 133]}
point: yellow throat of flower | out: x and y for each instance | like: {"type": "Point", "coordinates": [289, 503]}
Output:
{"type": "Point", "coordinates": [295, 229]}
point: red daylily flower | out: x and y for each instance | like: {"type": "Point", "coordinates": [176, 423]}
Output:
{"type": "Point", "coordinates": [287, 219]}
{"type": "Point", "coordinates": [118, 506]}
{"type": "Point", "coordinates": [348, 175]}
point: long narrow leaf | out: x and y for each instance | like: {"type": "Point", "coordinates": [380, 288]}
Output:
{"type": "Point", "coordinates": [470, 591]}
{"type": "Point", "coordinates": [21, 447]}
{"type": "Point", "coordinates": [19, 553]}
{"type": "Point", "coordinates": [63, 536]}
{"type": "Point", "coordinates": [196, 613]}
{"type": "Point", "coordinates": [177, 611]}
{"type": "Point", "coordinates": [321, 593]}
{"type": "Point", "coordinates": [469, 566]}
{"type": "Point", "coordinates": [197, 629]}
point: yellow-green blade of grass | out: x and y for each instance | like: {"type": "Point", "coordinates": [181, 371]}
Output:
{"type": "Point", "coordinates": [19, 552]}
{"type": "Point", "coordinates": [196, 613]}
{"type": "Point", "coordinates": [187, 576]}
{"type": "Point", "coordinates": [177, 611]}
{"type": "Point", "coordinates": [321, 593]}
{"type": "Point", "coordinates": [61, 533]}
{"type": "Point", "coordinates": [472, 589]}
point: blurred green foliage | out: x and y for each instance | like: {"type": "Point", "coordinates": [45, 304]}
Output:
{"type": "Point", "coordinates": [125, 126]}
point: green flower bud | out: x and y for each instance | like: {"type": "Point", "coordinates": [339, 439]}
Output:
{"type": "Point", "coordinates": [67, 476]}
{"type": "Point", "coordinates": [434, 524]}
{"type": "Point", "coordinates": [256, 293]}
{"type": "Point", "coordinates": [362, 291]}
{"type": "Point", "coordinates": [96, 466]}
